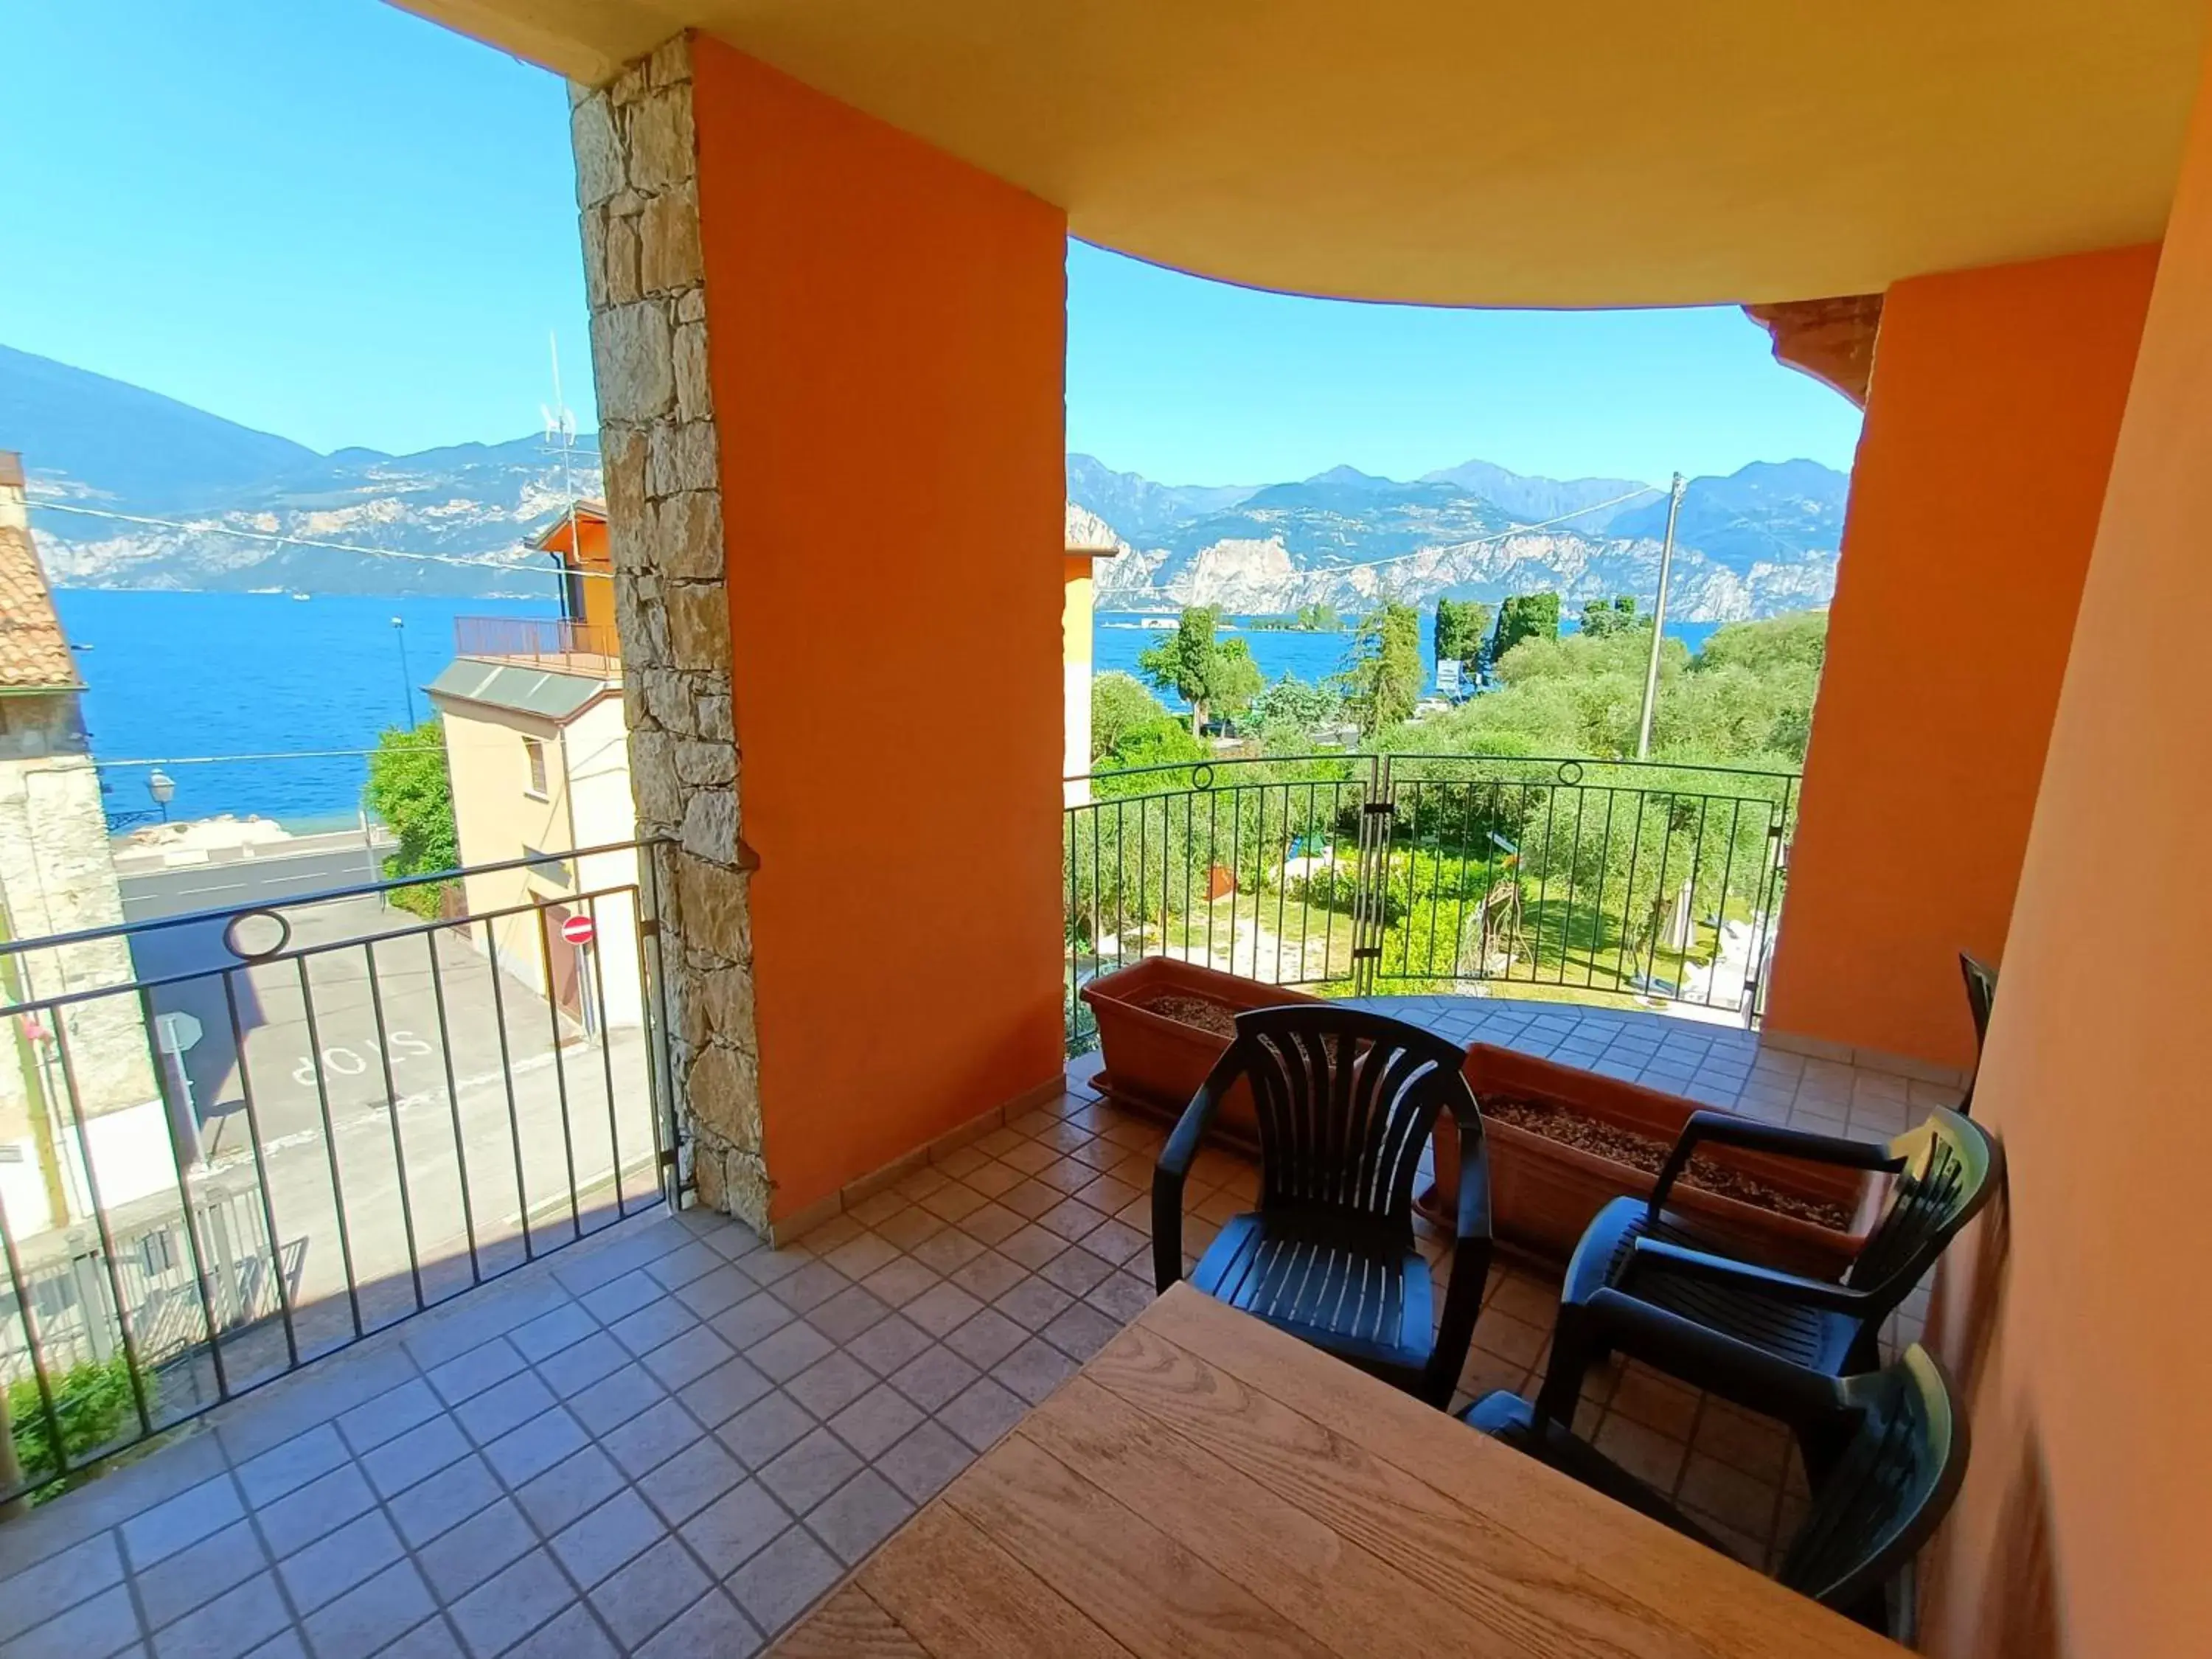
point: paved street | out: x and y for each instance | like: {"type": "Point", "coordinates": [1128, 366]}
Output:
{"type": "Point", "coordinates": [502, 1108]}
{"type": "Point", "coordinates": [459, 1107]}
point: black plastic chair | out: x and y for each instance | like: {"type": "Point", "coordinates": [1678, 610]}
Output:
{"type": "Point", "coordinates": [1644, 1280]}
{"type": "Point", "coordinates": [1981, 997]}
{"type": "Point", "coordinates": [1344, 1100]}
{"type": "Point", "coordinates": [1902, 1454]}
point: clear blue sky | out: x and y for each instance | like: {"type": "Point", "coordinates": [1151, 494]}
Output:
{"type": "Point", "coordinates": [330, 220]}
{"type": "Point", "coordinates": [1194, 382]}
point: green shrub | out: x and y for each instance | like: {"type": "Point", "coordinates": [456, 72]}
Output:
{"type": "Point", "coordinates": [1337, 888]}
{"type": "Point", "coordinates": [92, 1401]}
{"type": "Point", "coordinates": [410, 791]}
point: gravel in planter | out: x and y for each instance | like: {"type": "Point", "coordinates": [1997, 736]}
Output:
{"type": "Point", "coordinates": [1203, 1013]}
{"type": "Point", "coordinates": [1648, 1153]}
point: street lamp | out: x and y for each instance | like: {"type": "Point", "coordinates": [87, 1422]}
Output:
{"type": "Point", "coordinates": [406, 679]}
{"type": "Point", "coordinates": [163, 789]}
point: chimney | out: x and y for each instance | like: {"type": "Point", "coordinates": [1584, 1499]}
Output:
{"type": "Point", "coordinates": [13, 513]}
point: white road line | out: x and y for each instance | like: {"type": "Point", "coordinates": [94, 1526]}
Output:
{"type": "Point", "coordinates": [374, 1116]}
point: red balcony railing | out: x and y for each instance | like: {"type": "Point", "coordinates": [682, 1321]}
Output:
{"type": "Point", "coordinates": [555, 642]}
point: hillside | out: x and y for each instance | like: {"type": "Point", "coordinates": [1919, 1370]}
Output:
{"type": "Point", "coordinates": [133, 444]}
{"type": "Point", "coordinates": [1530, 500]}
{"type": "Point", "coordinates": [1757, 541]}
{"type": "Point", "coordinates": [91, 442]}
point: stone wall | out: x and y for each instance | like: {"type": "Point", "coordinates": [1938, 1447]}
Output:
{"type": "Point", "coordinates": [637, 189]}
{"type": "Point", "coordinates": [56, 877]}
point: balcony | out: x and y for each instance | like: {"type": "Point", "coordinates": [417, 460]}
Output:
{"type": "Point", "coordinates": [1571, 880]}
{"type": "Point", "coordinates": [560, 644]}
{"type": "Point", "coordinates": [547, 1414]}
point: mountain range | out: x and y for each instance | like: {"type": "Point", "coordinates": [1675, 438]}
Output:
{"type": "Point", "coordinates": [1757, 541]}
{"type": "Point", "coordinates": [100, 454]}
{"type": "Point", "coordinates": [103, 455]}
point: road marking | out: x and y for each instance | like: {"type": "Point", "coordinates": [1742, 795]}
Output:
{"type": "Point", "coordinates": [374, 1116]}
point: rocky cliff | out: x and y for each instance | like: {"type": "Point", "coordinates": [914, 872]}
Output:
{"type": "Point", "coordinates": [1758, 542]}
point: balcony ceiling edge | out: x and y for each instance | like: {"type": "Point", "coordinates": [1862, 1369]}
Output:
{"type": "Point", "coordinates": [1607, 154]}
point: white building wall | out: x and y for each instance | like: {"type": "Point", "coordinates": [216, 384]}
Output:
{"type": "Point", "coordinates": [586, 803]}
{"type": "Point", "coordinates": [597, 762]}
{"type": "Point", "coordinates": [1075, 759]}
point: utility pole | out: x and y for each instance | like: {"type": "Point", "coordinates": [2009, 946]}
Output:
{"type": "Point", "coordinates": [1658, 621]}
{"type": "Point", "coordinates": [406, 679]}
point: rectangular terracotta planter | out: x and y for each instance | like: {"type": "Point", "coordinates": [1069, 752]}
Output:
{"type": "Point", "coordinates": [1155, 1064]}
{"type": "Point", "coordinates": [1543, 1192]}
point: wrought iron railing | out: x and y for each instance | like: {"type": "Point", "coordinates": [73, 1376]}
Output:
{"type": "Point", "coordinates": [535, 638]}
{"type": "Point", "coordinates": [235, 1140]}
{"type": "Point", "coordinates": [1364, 874]}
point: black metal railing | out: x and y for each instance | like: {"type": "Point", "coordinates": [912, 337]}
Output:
{"type": "Point", "coordinates": [246, 1138]}
{"type": "Point", "coordinates": [1360, 874]}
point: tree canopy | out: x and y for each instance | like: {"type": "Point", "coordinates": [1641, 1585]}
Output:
{"type": "Point", "coordinates": [1236, 681]}
{"type": "Point", "coordinates": [1799, 639]}
{"type": "Point", "coordinates": [1217, 679]}
{"type": "Point", "coordinates": [1316, 618]}
{"type": "Point", "coordinates": [1523, 617]}
{"type": "Point", "coordinates": [1120, 705]}
{"type": "Point", "coordinates": [1747, 699]}
{"type": "Point", "coordinates": [1385, 675]}
{"type": "Point", "coordinates": [1130, 727]}
{"type": "Point", "coordinates": [1291, 708]}
{"type": "Point", "coordinates": [409, 789]}
{"type": "Point", "coordinates": [1601, 617]}
{"type": "Point", "coordinates": [1158, 743]}
{"type": "Point", "coordinates": [1459, 627]}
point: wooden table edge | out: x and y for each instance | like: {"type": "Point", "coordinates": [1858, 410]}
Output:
{"type": "Point", "coordinates": [1172, 1318]}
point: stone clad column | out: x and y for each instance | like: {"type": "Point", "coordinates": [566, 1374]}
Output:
{"type": "Point", "coordinates": [808, 326]}
{"type": "Point", "coordinates": [637, 188]}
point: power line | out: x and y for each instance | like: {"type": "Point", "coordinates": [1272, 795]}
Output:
{"type": "Point", "coordinates": [226, 760]}
{"type": "Point", "coordinates": [485, 746]}
{"type": "Point", "coordinates": [309, 541]}
{"type": "Point", "coordinates": [1501, 536]}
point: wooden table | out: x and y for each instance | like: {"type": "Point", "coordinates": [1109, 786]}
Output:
{"type": "Point", "coordinates": [1207, 1486]}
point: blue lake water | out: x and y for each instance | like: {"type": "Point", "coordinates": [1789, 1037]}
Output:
{"type": "Point", "coordinates": [173, 676]}
{"type": "Point", "coordinates": [176, 676]}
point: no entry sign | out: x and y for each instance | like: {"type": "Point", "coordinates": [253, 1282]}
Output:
{"type": "Point", "coordinates": [578, 930]}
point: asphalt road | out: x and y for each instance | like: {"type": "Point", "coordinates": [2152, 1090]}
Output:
{"type": "Point", "coordinates": [413, 1119]}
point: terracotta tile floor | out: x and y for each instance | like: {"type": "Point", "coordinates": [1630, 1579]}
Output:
{"type": "Point", "coordinates": [671, 1438]}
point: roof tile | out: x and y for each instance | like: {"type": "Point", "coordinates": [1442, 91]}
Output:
{"type": "Point", "coordinates": [34, 656]}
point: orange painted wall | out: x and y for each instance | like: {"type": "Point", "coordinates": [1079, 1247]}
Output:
{"type": "Point", "coordinates": [1988, 434]}
{"type": "Point", "coordinates": [2083, 1528]}
{"type": "Point", "coordinates": [597, 593]}
{"type": "Point", "coordinates": [887, 342]}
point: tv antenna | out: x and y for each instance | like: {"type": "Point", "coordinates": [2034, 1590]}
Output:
{"type": "Point", "coordinates": [561, 432]}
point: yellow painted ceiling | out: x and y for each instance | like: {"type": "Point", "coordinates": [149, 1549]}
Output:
{"type": "Point", "coordinates": [1538, 153]}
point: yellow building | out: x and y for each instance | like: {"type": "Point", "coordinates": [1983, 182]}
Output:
{"type": "Point", "coordinates": [1088, 538]}
{"type": "Point", "coordinates": [535, 747]}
